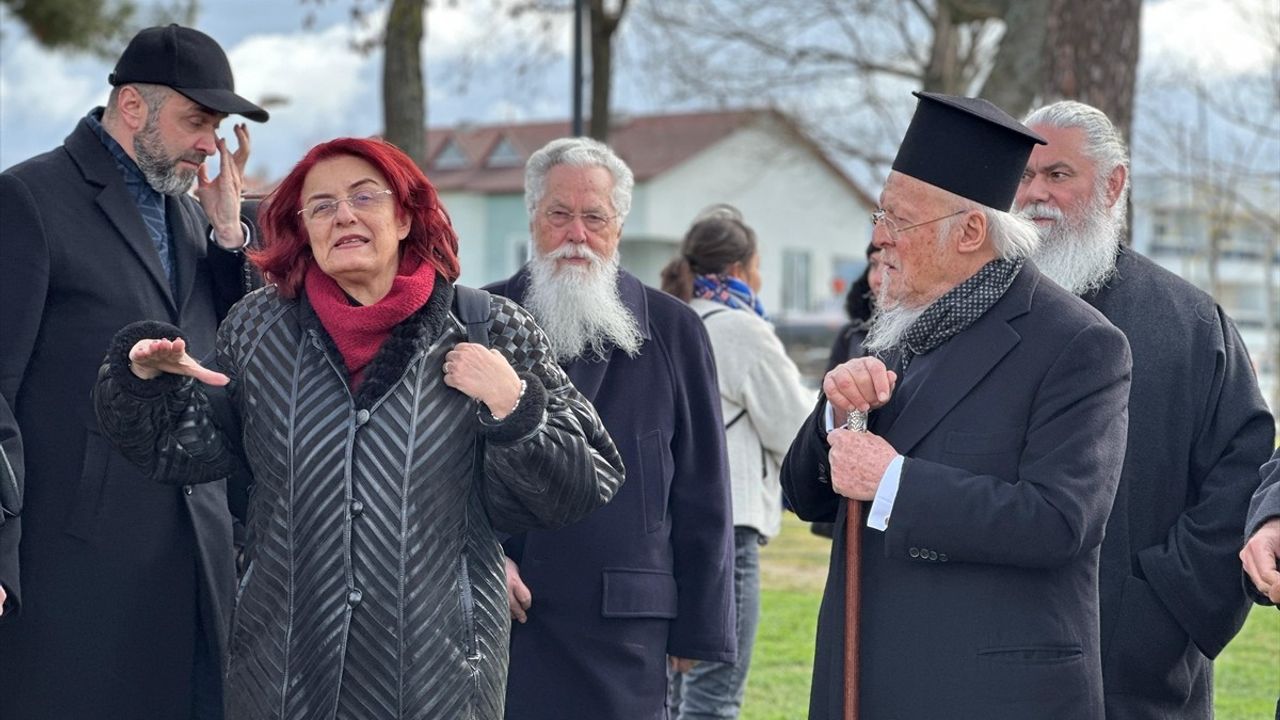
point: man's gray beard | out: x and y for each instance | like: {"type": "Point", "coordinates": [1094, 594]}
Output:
{"type": "Point", "coordinates": [888, 325]}
{"type": "Point", "coordinates": [160, 170]}
{"type": "Point", "coordinates": [580, 308]}
{"type": "Point", "coordinates": [1078, 254]}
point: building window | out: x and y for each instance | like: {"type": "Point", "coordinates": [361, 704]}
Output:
{"type": "Point", "coordinates": [504, 154]}
{"type": "Point", "coordinates": [795, 280]}
{"type": "Point", "coordinates": [450, 157]}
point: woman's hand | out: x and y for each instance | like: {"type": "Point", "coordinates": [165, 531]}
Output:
{"type": "Point", "coordinates": [148, 359]}
{"type": "Point", "coordinates": [483, 374]}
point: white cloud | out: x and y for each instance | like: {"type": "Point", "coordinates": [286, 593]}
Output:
{"type": "Point", "coordinates": [36, 85]}
{"type": "Point", "coordinates": [1212, 39]}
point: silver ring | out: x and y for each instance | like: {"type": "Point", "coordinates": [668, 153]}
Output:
{"type": "Point", "coordinates": [856, 421]}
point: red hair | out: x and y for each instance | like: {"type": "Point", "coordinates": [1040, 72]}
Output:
{"type": "Point", "coordinates": [286, 249]}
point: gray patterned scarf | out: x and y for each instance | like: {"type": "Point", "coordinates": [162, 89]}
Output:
{"type": "Point", "coordinates": [958, 308]}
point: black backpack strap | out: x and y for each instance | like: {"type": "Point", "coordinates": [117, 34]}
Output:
{"type": "Point", "coordinates": [717, 311]}
{"type": "Point", "coordinates": [472, 306]}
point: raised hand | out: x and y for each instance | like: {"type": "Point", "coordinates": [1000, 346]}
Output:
{"type": "Point", "coordinates": [148, 359]}
{"type": "Point", "coordinates": [862, 384]}
{"type": "Point", "coordinates": [483, 374]}
{"type": "Point", "coordinates": [220, 197]}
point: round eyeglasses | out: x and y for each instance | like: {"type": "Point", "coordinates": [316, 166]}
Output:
{"type": "Point", "coordinates": [594, 221]}
{"type": "Point", "coordinates": [880, 219]}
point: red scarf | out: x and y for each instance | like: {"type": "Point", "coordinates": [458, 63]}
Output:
{"type": "Point", "coordinates": [359, 330]}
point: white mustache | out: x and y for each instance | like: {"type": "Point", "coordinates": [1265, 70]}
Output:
{"type": "Point", "coordinates": [1041, 211]}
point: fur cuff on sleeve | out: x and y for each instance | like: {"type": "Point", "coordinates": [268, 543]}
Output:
{"type": "Point", "coordinates": [118, 359]}
{"type": "Point", "coordinates": [529, 416]}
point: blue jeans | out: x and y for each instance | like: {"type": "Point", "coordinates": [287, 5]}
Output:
{"type": "Point", "coordinates": [715, 690]}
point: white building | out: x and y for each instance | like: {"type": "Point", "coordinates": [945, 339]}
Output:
{"type": "Point", "coordinates": [812, 222]}
{"type": "Point", "coordinates": [1226, 242]}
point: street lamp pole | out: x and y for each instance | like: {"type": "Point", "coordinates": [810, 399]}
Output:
{"type": "Point", "coordinates": [577, 68]}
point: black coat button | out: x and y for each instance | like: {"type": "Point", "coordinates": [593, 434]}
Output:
{"type": "Point", "coordinates": [914, 552]}
{"type": "Point", "coordinates": [188, 489]}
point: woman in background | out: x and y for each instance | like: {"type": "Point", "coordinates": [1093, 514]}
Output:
{"type": "Point", "coordinates": [764, 402]}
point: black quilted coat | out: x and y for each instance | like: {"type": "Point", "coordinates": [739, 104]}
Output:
{"type": "Point", "coordinates": [374, 586]}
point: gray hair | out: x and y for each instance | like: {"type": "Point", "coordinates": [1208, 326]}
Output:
{"type": "Point", "coordinates": [1012, 237]}
{"type": "Point", "coordinates": [1103, 143]}
{"type": "Point", "coordinates": [153, 95]}
{"type": "Point", "coordinates": [577, 152]}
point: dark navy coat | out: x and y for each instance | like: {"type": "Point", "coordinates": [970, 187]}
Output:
{"type": "Point", "coordinates": [1198, 431]}
{"type": "Point", "coordinates": [115, 569]}
{"type": "Point", "coordinates": [651, 573]}
{"type": "Point", "coordinates": [980, 601]}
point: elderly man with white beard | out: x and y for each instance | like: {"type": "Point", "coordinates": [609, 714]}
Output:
{"type": "Point", "coordinates": [994, 443]}
{"type": "Point", "coordinates": [603, 605]}
{"type": "Point", "coordinates": [1171, 588]}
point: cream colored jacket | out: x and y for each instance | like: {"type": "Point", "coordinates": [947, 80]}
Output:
{"type": "Point", "coordinates": [764, 403]}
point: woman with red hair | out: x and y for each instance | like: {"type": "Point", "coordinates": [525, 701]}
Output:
{"type": "Point", "coordinates": [384, 455]}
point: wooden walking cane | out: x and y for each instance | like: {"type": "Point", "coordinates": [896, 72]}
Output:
{"type": "Point", "coordinates": [857, 422]}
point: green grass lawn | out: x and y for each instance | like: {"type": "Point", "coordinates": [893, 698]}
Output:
{"type": "Point", "coordinates": [794, 567]}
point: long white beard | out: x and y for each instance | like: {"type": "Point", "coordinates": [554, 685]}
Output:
{"type": "Point", "coordinates": [887, 326]}
{"type": "Point", "coordinates": [1078, 254]}
{"type": "Point", "coordinates": [579, 308]}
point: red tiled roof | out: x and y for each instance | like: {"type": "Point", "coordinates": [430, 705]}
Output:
{"type": "Point", "coordinates": [650, 145]}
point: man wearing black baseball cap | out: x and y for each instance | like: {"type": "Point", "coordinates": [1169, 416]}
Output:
{"type": "Point", "coordinates": [116, 602]}
{"type": "Point", "coordinates": [991, 455]}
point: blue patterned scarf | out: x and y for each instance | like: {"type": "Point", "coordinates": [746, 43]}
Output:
{"type": "Point", "coordinates": [729, 291]}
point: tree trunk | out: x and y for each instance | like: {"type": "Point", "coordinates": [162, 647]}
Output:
{"type": "Point", "coordinates": [1017, 73]}
{"type": "Point", "coordinates": [1092, 56]}
{"type": "Point", "coordinates": [404, 105]}
{"type": "Point", "coordinates": [603, 26]}
{"type": "Point", "coordinates": [941, 72]}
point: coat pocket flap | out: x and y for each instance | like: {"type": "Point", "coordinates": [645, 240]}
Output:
{"type": "Point", "coordinates": [638, 594]}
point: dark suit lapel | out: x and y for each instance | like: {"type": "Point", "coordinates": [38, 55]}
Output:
{"type": "Point", "coordinates": [99, 169]}
{"type": "Point", "coordinates": [960, 364]}
{"type": "Point", "coordinates": [189, 245]}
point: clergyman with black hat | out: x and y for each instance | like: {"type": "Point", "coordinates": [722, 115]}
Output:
{"type": "Point", "coordinates": [116, 600]}
{"type": "Point", "coordinates": [996, 432]}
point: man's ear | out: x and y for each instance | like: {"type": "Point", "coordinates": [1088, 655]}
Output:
{"type": "Point", "coordinates": [1115, 183]}
{"type": "Point", "coordinates": [131, 109]}
{"type": "Point", "coordinates": [973, 232]}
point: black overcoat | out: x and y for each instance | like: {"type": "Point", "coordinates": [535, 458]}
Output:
{"type": "Point", "coordinates": [980, 600]}
{"type": "Point", "coordinates": [1198, 431]}
{"type": "Point", "coordinates": [114, 568]}
{"type": "Point", "coordinates": [651, 573]}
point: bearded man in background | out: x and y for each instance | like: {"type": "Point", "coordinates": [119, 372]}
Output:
{"type": "Point", "coordinates": [1171, 593]}
{"type": "Point", "coordinates": [604, 604]}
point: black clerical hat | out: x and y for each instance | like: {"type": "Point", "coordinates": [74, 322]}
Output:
{"type": "Point", "coordinates": [966, 146]}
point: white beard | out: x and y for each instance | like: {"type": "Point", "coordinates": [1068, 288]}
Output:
{"type": "Point", "coordinates": [579, 308]}
{"type": "Point", "coordinates": [887, 326]}
{"type": "Point", "coordinates": [1079, 254]}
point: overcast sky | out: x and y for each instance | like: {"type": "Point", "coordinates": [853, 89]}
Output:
{"type": "Point", "coordinates": [333, 91]}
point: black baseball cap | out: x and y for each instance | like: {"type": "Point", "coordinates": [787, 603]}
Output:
{"type": "Point", "coordinates": [188, 61]}
{"type": "Point", "coordinates": [966, 146]}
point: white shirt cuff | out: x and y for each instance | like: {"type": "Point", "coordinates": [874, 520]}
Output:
{"type": "Point", "coordinates": [244, 227]}
{"type": "Point", "coordinates": [878, 516]}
